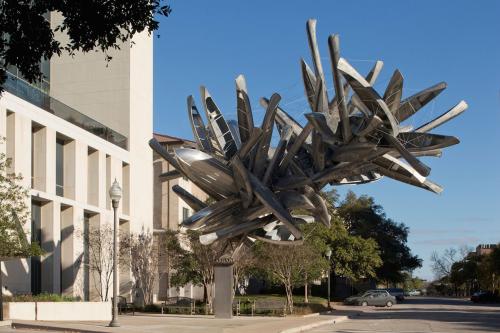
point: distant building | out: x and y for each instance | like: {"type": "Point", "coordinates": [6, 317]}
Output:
{"type": "Point", "coordinates": [169, 211]}
{"type": "Point", "coordinates": [485, 249]}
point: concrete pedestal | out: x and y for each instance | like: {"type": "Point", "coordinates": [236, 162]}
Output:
{"type": "Point", "coordinates": [223, 300]}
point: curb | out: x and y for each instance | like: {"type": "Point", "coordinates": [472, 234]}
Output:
{"type": "Point", "coordinates": [4, 323]}
{"type": "Point", "coordinates": [316, 314]}
{"type": "Point", "coordinates": [42, 327]}
{"type": "Point", "coordinates": [314, 325]}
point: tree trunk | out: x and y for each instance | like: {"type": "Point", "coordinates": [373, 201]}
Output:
{"type": "Point", "coordinates": [1, 293]}
{"type": "Point", "coordinates": [289, 297]}
{"type": "Point", "coordinates": [306, 291]}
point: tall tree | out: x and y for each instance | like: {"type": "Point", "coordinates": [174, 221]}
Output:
{"type": "Point", "coordinates": [26, 35]}
{"type": "Point", "coordinates": [242, 268]}
{"type": "Point", "coordinates": [490, 270]}
{"type": "Point", "coordinates": [144, 253]}
{"type": "Point", "coordinates": [365, 218]}
{"type": "Point", "coordinates": [464, 274]}
{"type": "Point", "coordinates": [196, 265]}
{"type": "Point", "coordinates": [14, 214]}
{"type": "Point", "coordinates": [99, 242]}
{"type": "Point", "coordinates": [442, 263]}
{"type": "Point", "coordinates": [287, 265]}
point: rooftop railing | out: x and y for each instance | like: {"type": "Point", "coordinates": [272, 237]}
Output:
{"type": "Point", "coordinates": [35, 96]}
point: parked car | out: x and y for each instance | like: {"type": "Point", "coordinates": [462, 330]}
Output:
{"type": "Point", "coordinates": [413, 293]}
{"type": "Point", "coordinates": [483, 297]}
{"type": "Point", "coordinates": [372, 297]}
{"type": "Point", "coordinates": [396, 292]}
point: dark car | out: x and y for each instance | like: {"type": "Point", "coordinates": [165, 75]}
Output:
{"type": "Point", "coordinates": [371, 297]}
{"type": "Point", "coordinates": [396, 292]}
{"type": "Point", "coordinates": [483, 297]}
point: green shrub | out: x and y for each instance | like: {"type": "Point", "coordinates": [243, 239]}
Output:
{"type": "Point", "coordinates": [44, 297]}
{"type": "Point", "coordinates": [152, 308]}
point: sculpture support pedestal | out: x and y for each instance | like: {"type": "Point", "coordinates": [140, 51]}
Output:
{"type": "Point", "coordinates": [223, 300]}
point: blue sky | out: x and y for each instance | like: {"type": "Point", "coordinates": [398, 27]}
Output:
{"type": "Point", "coordinates": [211, 42]}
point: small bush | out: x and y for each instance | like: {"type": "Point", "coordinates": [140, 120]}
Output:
{"type": "Point", "coordinates": [153, 308]}
{"type": "Point", "coordinates": [44, 297]}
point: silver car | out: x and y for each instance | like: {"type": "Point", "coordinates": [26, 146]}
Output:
{"type": "Point", "coordinates": [372, 297]}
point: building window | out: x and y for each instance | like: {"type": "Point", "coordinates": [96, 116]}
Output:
{"type": "Point", "coordinates": [108, 180]}
{"type": "Point", "coordinates": [185, 213]}
{"type": "Point", "coordinates": [60, 167]}
{"type": "Point", "coordinates": [125, 188]}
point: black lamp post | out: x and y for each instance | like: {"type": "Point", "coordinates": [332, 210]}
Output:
{"type": "Point", "coordinates": [115, 193]}
{"type": "Point", "coordinates": [329, 255]}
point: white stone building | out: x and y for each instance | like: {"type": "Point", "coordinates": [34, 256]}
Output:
{"type": "Point", "coordinates": [88, 123]}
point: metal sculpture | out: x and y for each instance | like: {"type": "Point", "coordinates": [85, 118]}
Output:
{"type": "Point", "coordinates": [353, 138]}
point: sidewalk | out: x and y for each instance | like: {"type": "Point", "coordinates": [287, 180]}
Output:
{"type": "Point", "coordinates": [188, 324]}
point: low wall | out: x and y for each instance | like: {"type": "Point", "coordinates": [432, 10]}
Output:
{"type": "Point", "coordinates": [58, 311]}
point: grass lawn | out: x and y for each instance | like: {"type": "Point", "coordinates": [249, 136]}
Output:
{"type": "Point", "coordinates": [316, 304]}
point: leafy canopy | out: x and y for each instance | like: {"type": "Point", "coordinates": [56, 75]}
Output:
{"type": "Point", "coordinates": [366, 219]}
{"type": "Point", "coordinates": [26, 36]}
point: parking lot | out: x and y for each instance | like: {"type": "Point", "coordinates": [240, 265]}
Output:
{"type": "Point", "coordinates": [420, 314]}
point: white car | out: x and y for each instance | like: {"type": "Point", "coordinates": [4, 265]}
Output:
{"type": "Point", "coordinates": [415, 293]}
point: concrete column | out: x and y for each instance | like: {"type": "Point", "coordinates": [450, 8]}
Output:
{"type": "Point", "coordinates": [51, 244]}
{"type": "Point", "coordinates": [125, 189]}
{"type": "Point", "coordinates": [125, 276]}
{"type": "Point", "coordinates": [44, 160]}
{"type": "Point", "coordinates": [72, 252]}
{"type": "Point", "coordinates": [75, 170]}
{"type": "Point", "coordinates": [70, 174]}
{"type": "Point", "coordinates": [96, 178]}
{"type": "Point", "coordinates": [19, 146]}
{"type": "Point", "coordinates": [81, 171]}
{"type": "Point", "coordinates": [223, 302]}
{"type": "Point", "coordinates": [80, 281]}
{"type": "Point", "coordinates": [17, 130]}
{"type": "Point", "coordinates": [67, 233]}
{"type": "Point", "coordinates": [113, 171]}
{"type": "Point", "coordinates": [94, 225]}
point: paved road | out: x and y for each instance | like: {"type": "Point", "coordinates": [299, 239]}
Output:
{"type": "Point", "coordinates": [420, 314]}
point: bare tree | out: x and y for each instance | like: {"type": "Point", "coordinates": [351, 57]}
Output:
{"type": "Point", "coordinates": [442, 263]}
{"type": "Point", "coordinates": [99, 242]}
{"type": "Point", "coordinates": [241, 269]}
{"type": "Point", "coordinates": [144, 259]}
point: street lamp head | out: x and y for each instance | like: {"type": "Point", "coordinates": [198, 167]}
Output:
{"type": "Point", "coordinates": [328, 252]}
{"type": "Point", "coordinates": [115, 191]}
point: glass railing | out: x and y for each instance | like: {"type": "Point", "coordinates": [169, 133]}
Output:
{"type": "Point", "coordinates": [26, 91]}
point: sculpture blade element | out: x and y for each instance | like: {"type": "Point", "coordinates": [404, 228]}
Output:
{"type": "Point", "coordinates": [218, 125]}
{"type": "Point", "coordinates": [199, 129]}
{"type": "Point", "coordinates": [244, 109]}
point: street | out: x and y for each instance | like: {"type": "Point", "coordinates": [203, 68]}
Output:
{"type": "Point", "coordinates": [420, 314]}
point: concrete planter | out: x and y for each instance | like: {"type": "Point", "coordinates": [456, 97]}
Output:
{"type": "Point", "coordinates": [58, 311]}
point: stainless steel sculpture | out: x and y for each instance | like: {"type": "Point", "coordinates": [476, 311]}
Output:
{"type": "Point", "coordinates": [355, 137]}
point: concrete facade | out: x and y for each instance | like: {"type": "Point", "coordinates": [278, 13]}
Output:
{"type": "Point", "coordinates": [44, 138]}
